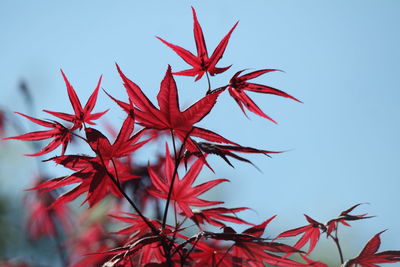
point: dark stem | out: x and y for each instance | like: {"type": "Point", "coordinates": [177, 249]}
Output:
{"type": "Point", "coordinates": [177, 160]}
{"type": "Point", "coordinates": [336, 240]}
{"type": "Point", "coordinates": [209, 83]}
{"type": "Point", "coordinates": [115, 170]}
{"type": "Point", "coordinates": [176, 219]}
{"type": "Point", "coordinates": [166, 247]}
{"type": "Point", "coordinates": [198, 237]}
{"type": "Point", "coordinates": [80, 137]}
{"type": "Point", "coordinates": [218, 89]}
{"type": "Point", "coordinates": [181, 245]}
{"type": "Point", "coordinates": [158, 210]}
{"type": "Point", "coordinates": [173, 143]}
{"type": "Point", "coordinates": [226, 253]}
{"type": "Point", "coordinates": [117, 184]}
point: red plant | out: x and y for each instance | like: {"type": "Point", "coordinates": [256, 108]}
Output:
{"type": "Point", "coordinates": [61, 135]}
{"type": "Point", "coordinates": [169, 117]}
{"type": "Point", "coordinates": [310, 233]}
{"type": "Point", "coordinates": [44, 218]}
{"type": "Point", "coordinates": [237, 86]}
{"type": "Point", "coordinates": [201, 63]}
{"type": "Point", "coordinates": [369, 257]}
{"type": "Point", "coordinates": [139, 195]}
{"type": "Point", "coordinates": [183, 193]}
{"type": "Point", "coordinates": [82, 114]}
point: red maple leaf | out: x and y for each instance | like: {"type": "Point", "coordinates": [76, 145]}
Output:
{"type": "Point", "coordinates": [313, 263]}
{"type": "Point", "coordinates": [138, 229]}
{"type": "Point", "coordinates": [369, 257]}
{"type": "Point", "coordinates": [225, 151]}
{"type": "Point", "coordinates": [93, 239]}
{"type": "Point", "coordinates": [82, 114]}
{"type": "Point", "coordinates": [183, 192]}
{"type": "Point", "coordinates": [43, 219]}
{"type": "Point", "coordinates": [93, 178]}
{"type": "Point", "coordinates": [61, 135]}
{"type": "Point", "coordinates": [310, 233]}
{"type": "Point", "coordinates": [137, 226]}
{"type": "Point", "coordinates": [238, 85]}
{"type": "Point", "coordinates": [211, 254]}
{"type": "Point", "coordinates": [147, 251]}
{"type": "Point", "coordinates": [123, 145]}
{"type": "Point", "coordinates": [250, 249]}
{"type": "Point", "coordinates": [343, 218]}
{"type": "Point", "coordinates": [201, 63]}
{"type": "Point", "coordinates": [96, 174]}
{"type": "Point", "coordinates": [254, 251]}
{"type": "Point", "coordinates": [214, 216]}
{"type": "Point", "coordinates": [168, 116]}
{"type": "Point", "coordinates": [141, 247]}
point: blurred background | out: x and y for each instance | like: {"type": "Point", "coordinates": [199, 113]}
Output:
{"type": "Point", "coordinates": [341, 58]}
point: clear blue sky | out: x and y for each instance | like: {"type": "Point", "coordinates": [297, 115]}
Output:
{"type": "Point", "coordinates": [341, 58]}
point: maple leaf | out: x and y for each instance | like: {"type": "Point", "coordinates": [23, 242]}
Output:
{"type": "Point", "coordinates": [225, 151]}
{"type": "Point", "coordinates": [168, 116]}
{"type": "Point", "coordinates": [61, 135]}
{"type": "Point", "coordinates": [42, 218]}
{"type": "Point", "coordinates": [136, 231]}
{"type": "Point", "coordinates": [238, 85]}
{"type": "Point", "coordinates": [146, 251]}
{"type": "Point", "coordinates": [142, 247]}
{"type": "Point", "coordinates": [92, 175]}
{"type": "Point", "coordinates": [211, 254]}
{"type": "Point", "coordinates": [82, 114]}
{"type": "Point", "coordinates": [214, 216]}
{"type": "Point", "coordinates": [369, 257]}
{"type": "Point", "coordinates": [183, 193]}
{"type": "Point", "coordinates": [201, 63]}
{"type": "Point", "coordinates": [343, 218]}
{"type": "Point", "coordinates": [310, 233]}
{"type": "Point", "coordinates": [253, 250]}
{"type": "Point", "coordinates": [312, 262]}
{"type": "Point", "coordinates": [98, 175]}
{"type": "Point", "coordinates": [93, 239]}
{"type": "Point", "coordinates": [137, 226]}
{"type": "Point", "coordinates": [123, 145]}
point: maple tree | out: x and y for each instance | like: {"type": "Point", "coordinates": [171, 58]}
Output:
{"type": "Point", "coordinates": [157, 214]}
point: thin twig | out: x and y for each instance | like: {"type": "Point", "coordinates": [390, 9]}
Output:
{"type": "Point", "coordinates": [165, 246]}
{"type": "Point", "coordinates": [198, 237]}
{"type": "Point", "coordinates": [115, 170]}
{"type": "Point", "coordinates": [177, 161]}
{"type": "Point", "coordinates": [226, 253]}
{"type": "Point", "coordinates": [209, 83]}
{"type": "Point", "coordinates": [80, 137]}
{"type": "Point", "coordinates": [151, 226]}
{"type": "Point", "coordinates": [336, 240]}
